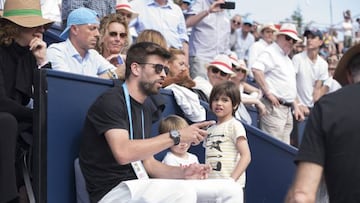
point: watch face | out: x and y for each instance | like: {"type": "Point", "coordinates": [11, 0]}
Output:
{"type": "Point", "coordinates": [175, 135]}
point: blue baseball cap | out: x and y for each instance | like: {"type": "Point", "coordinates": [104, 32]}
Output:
{"type": "Point", "coordinates": [80, 16]}
{"type": "Point", "coordinates": [248, 21]}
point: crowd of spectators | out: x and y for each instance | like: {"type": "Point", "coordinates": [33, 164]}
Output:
{"type": "Point", "coordinates": [277, 70]}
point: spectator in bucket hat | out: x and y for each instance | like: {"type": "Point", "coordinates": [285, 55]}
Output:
{"type": "Point", "coordinates": [274, 72]}
{"type": "Point", "coordinates": [22, 50]}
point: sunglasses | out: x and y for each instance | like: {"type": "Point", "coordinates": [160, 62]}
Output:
{"type": "Point", "coordinates": [158, 67]}
{"type": "Point", "coordinates": [236, 22]}
{"type": "Point", "coordinates": [115, 34]}
{"type": "Point", "coordinates": [128, 15]}
{"type": "Point", "coordinates": [240, 70]}
{"type": "Point", "coordinates": [288, 38]}
{"type": "Point", "coordinates": [216, 71]}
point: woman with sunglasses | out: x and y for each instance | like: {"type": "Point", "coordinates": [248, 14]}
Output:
{"type": "Point", "coordinates": [113, 40]}
{"type": "Point", "coordinates": [250, 95]}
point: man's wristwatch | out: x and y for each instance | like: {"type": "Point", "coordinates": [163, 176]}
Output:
{"type": "Point", "coordinates": [175, 136]}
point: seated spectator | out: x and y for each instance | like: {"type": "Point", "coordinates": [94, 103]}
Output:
{"type": "Point", "coordinates": [77, 54]}
{"type": "Point", "coordinates": [116, 153]}
{"type": "Point", "coordinates": [180, 82]}
{"type": "Point", "coordinates": [154, 36]}
{"type": "Point", "coordinates": [219, 70]}
{"type": "Point", "coordinates": [113, 39]}
{"type": "Point", "coordinates": [22, 50]}
{"type": "Point", "coordinates": [178, 154]}
{"type": "Point", "coordinates": [179, 73]}
{"type": "Point", "coordinates": [330, 84]}
{"type": "Point", "coordinates": [250, 95]}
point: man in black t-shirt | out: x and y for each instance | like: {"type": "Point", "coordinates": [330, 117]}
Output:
{"type": "Point", "coordinates": [116, 152]}
{"type": "Point", "coordinates": [331, 141]}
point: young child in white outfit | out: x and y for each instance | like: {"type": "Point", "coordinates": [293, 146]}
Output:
{"type": "Point", "coordinates": [178, 154]}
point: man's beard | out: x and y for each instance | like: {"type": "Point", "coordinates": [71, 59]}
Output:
{"type": "Point", "coordinates": [148, 88]}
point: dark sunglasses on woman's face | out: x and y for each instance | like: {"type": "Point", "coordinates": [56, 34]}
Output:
{"type": "Point", "coordinates": [115, 34]}
{"type": "Point", "coordinates": [240, 70]}
{"type": "Point", "coordinates": [288, 38]}
{"type": "Point", "coordinates": [216, 70]}
{"type": "Point", "coordinates": [158, 68]}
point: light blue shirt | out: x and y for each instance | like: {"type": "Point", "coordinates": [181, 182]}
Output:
{"type": "Point", "coordinates": [168, 20]}
{"type": "Point", "coordinates": [211, 36]}
{"type": "Point", "coordinates": [64, 57]}
{"type": "Point", "coordinates": [243, 44]}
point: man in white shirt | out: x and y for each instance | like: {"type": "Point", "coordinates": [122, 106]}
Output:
{"type": "Point", "coordinates": [77, 54]}
{"type": "Point", "coordinates": [274, 73]}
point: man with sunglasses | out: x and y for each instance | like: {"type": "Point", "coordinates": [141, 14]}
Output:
{"type": "Point", "coordinates": [116, 153]}
{"type": "Point", "coordinates": [76, 54]}
{"type": "Point", "coordinates": [275, 74]}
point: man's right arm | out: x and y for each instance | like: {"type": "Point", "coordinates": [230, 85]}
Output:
{"type": "Point", "coordinates": [192, 20]}
{"type": "Point", "coordinates": [306, 183]}
{"type": "Point", "coordinates": [55, 54]}
{"type": "Point", "coordinates": [126, 151]}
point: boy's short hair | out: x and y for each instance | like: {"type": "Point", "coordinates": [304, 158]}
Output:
{"type": "Point", "coordinates": [229, 89]}
{"type": "Point", "coordinates": [172, 122]}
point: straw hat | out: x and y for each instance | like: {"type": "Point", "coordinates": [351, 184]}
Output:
{"type": "Point", "coordinates": [342, 73]}
{"type": "Point", "coordinates": [271, 26]}
{"type": "Point", "coordinates": [24, 13]}
{"type": "Point", "coordinates": [289, 30]}
{"type": "Point", "coordinates": [124, 5]}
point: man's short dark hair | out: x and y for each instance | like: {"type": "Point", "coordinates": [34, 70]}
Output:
{"type": "Point", "coordinates": [139, 53]}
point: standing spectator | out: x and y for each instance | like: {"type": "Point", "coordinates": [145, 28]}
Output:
{"type": "Point", "coordinates": [311, 71]}
{"type": "Point", "coordinates": [51, 9]}
{"type": "Point", "coordinates": [275, 74]}
{"type": "Point", "coordinates": [330, 146]}
{"type": "Point", "coordinates": [210, 35]}
{"type": "Point", "coordinates": [77, 54]}
{"type": "Point", "coordinates": [164, 16]}
{"type": "Point", "coordinates": [22, 50]}
{"type": "Point", "coordinates": [102, 8]}
{"type": "Point", "coordinates": [236, 22]}
{"type": "Point", "coordinates": [244, 40]}
{"type": "Point", "coordinates": [113, 40]}
{"type": "Point", "coordinates": [357, 31]}
{"type": "Point", "coordinates": [116, 152]}
{"type": "Point", "coordinates": [227, 149]}
{"type": "Point", "coordinates": [347, 26]}
{"type": "Point", "coordinates": [178, 154]}
{"type": "Point", "coordinates": [266, 38]}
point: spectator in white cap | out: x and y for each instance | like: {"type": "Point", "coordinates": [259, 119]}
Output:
{"type": "Point", "coordinates": [218, 70]}
{"type": "Point", "coordinates": [77, 54]}
{"type": "Point", "coordinates": [274, 72]}
{"type": "Point", "coordinates": [266, 38]}
{"type": "Point", "coordinates": [124, 9]}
